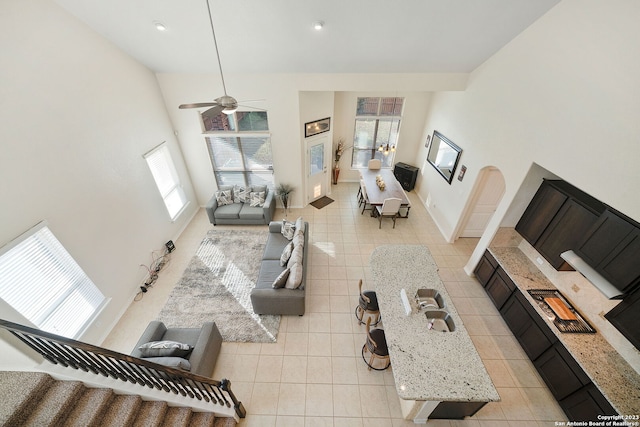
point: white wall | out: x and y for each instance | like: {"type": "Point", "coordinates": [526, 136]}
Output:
{"type": "Point", "coordinates": [76, 115]}
{"type": "Point", "coordinates": [564, 95]}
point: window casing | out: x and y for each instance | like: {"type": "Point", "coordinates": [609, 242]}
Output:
{"type": "Point", "coordinates": [239, 147]}
{"type": "Point", "coordinates": [41, 281]}
{"type": "Point", "coordinates": [377, 123]}
{"type": "Point", "coordinates": [167, 180]}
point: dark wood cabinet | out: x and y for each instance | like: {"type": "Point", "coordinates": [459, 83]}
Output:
{"type": "Point", "coordinates": [543, 208]}
{"type": "Point", "coordinates": [557, 219]}
{"type": "Point", "coordinates": [612, 248]}
{"type": "Point", "coordinates": [586, 404]}
{"type": "Point", "coordinates": [564, 232]}
{"type": "Point", "coordinates": [626, 317]}
{"type": "Point", "coordinates": [560, 371]}
{"type": "Point", "coordinates": [527, 326]}
{"type": "Point", "coordinates": [485, 268]}
{"type": "Point", "coordinates": [500, 287]}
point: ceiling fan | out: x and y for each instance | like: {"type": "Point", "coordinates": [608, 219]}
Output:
{"type": "Point", "coordinates": [224, 104]}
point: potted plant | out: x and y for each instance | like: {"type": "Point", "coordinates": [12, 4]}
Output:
{"type": "Point", "coordinates": [282, 191]}
{"type": "Point", "coordinates": [336, 160]}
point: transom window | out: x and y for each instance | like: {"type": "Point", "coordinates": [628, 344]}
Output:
{"type": "Point", "coordinates": [239, 147]}
{"type": "Point", "coordinates": [376, 130]}
{"type": "Point", "coordinates": [41, 281]}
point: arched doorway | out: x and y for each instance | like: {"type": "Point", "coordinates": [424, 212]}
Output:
{"type": "Point", "coordinates": [486, 196]}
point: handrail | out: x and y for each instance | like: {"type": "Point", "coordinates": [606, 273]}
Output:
{"type": "Point", "coordinates": [101, 361]}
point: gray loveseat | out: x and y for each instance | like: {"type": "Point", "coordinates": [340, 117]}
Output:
{"type": "Point", "coordinates": [264, 298]}
{"type": "Point", "coordinates": [206, 342]}
{"type": "Point", "coordinates": [241, 212]}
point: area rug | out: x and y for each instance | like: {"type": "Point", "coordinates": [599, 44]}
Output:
{"type": "Point", "coordinates": [216, 286]}
{"type": "Point", "coordinates": [322, 202]}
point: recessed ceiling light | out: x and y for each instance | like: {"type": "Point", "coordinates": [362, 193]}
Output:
{"type": "Point", "coordinates": [318, 25]}
{"type": "Point", "coordinates": [160, 26]}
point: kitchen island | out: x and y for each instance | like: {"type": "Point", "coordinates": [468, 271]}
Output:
{"type": "Point", "coordinates": [437, 374]}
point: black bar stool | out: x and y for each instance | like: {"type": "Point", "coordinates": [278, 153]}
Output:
{"type": "Point", "coordinates": [367, 303]}
{"type": "Point", "coordinates": [376, 344]}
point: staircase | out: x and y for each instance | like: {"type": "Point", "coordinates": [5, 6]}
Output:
{"type": "Point", "coordinates": [38, 400]}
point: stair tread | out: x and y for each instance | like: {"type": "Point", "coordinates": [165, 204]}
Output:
{"type": "Point", "coordinates": [202, 419]}
{"type": "Point", "coordinates": [122, 410]}
{"type": "Point", "coordinates": [55, 404]}
{"type": "Point", "coordinates": [89, 408]}
{"type": "Point", "coordinates": [177, 417]}
{"type": "Point", "coordinates": [224, 422]}
{"type": "Point", "coordinates": [151, 414]}
{"type": "Point", "coordinates": [17, 390]}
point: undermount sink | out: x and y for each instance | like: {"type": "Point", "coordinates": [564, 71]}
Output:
{"type": "Point", "coordinates": [429, 298]}
{"type": "Point", "coordinates": [439, 320]}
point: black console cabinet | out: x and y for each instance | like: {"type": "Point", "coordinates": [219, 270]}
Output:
{"type": "Point", "coordinates": [406, 175]}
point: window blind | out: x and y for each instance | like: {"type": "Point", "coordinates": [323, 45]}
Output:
{"type": "Point", "coordinates": [40, 280]}
{"type": "Point", "coordinates": [242, 160]}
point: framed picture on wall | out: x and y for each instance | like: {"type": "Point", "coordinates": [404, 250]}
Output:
{"type": "Point", "coordinates": [316, 127]}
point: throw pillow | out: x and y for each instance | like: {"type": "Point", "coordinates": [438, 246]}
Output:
{"type": "Point", "coordinates": [295, 276]}
{"type": "Point", "coordinates": [300, 224]}
{"type": "Point", "coordinates": [164, 348]}
{"type": "Point", "coordinates": [298, 238]}
{"type": "Point", "coordinates": [288, 228]}
{"type": "Point", "coordinates": [240, 194]}
{"type": "Point", "coordinates": [281, 280]}
{"type": "Point", "coordinates": [256, 199]}
{"type": "Point", "coordinates": [171, 362]}
{"type": "Point", "coordinates": [224, 197]}
{"type": "Point", "coordinates": [296, 256]}
{"type": "Point", "coordinates": [286, 254]}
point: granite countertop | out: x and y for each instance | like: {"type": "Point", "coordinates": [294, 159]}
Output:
{"type": "Point", "coordinates": [613, 376]}
{"type": "Point", "coordinates": [427, 365]}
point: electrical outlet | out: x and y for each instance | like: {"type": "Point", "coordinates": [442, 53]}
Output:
{"type": "Point", "coordinates": [539, 260]}
{"type": "Point", "coordinates": [170, 246]}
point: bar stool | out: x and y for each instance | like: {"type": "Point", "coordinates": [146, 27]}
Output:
{"type": "Point", "coordinates": [367, 303]}
{"type": "Point", "coordinates": [376, 344]}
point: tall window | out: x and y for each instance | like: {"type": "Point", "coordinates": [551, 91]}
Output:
{"type": "Point", "coordinates": [167, 180]}
{"type": "Point", "coordinates": [41, 281]}
{"type": "Point", "coordinates": [377, 125]}
{"type": "Point", "coordinates": [239, 147]}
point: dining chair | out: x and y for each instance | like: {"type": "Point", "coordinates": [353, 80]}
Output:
{"type": "Point", "coordinates": [390, 209]}
{"type": "Point", "coordinates": [367, 303]}
{"type": "Point", "coordinates": [376, 345]}
{"type": "Point", "coordinates": [375, 164]}
{"type": "Point", "coordinates": [364, 201]}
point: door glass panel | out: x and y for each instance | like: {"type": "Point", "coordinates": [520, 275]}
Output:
{"type": "Point", "coordinates": [317, 159]}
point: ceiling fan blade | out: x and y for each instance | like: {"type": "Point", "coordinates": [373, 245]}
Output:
{"type": "Point", "coordinates": [198, 105]}
{"type": "Point", "coordinates": [253, 100]}
{"type": "Point", "coordinates": [251, 107]}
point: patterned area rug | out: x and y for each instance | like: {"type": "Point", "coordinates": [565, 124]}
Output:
{"type": "Point", "coordinates": [321, 202]}
{"type": "Point", "coordinates": [217, 285]}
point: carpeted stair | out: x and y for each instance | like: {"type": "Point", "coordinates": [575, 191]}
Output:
{"type": "Point", "coordinates": [37, 399]}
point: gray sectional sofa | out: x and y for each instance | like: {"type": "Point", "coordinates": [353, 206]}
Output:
{"type": "Point", "coordinates": [241, 213]}
{"type": "Point", "coordinates": [264, 298]}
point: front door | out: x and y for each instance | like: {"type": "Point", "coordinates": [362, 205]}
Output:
{"type": "Point", "coordinates": [317, 168]}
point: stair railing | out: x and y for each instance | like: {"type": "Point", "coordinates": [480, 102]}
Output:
{"type": "Point", "coordinates": [101, 361]}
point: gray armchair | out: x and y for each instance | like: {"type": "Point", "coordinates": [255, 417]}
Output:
{"type": "Point", "coordinates": [206, 342]}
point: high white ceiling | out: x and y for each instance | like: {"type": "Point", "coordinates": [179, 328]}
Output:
{"type": "Point", "coordinates": [276, 36]}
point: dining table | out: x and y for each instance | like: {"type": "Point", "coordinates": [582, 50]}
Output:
{"type": "Point", "coordinates": [392, 188]}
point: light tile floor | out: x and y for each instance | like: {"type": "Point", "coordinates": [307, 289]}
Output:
{"type": "Point", "coordinates": [314, 375]}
